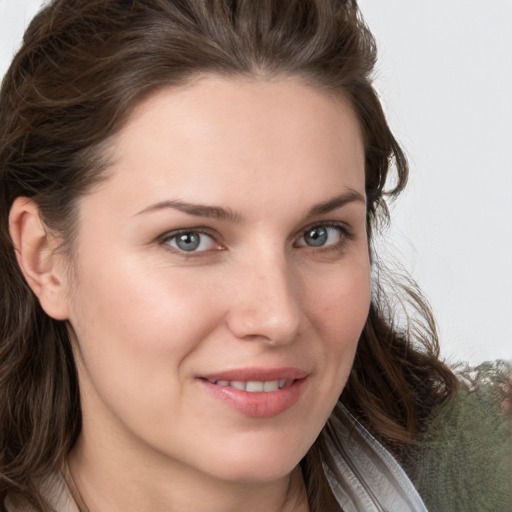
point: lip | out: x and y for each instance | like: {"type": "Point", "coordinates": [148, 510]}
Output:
{"type": "Point", "coordinates": [258, 374]}
{"type": "Point", "coordinates": [257, 404]}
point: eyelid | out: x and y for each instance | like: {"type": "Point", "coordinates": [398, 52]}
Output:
{"type": "Point", "coordinates": [346, 234]}
{"type": "Point", "coordinates": [169, 235]}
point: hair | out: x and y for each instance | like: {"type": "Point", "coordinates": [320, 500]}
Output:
{"type": "Point", "coordinates": [83, 67]}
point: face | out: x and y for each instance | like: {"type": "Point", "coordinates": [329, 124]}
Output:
{"type": "Point", "coordinates": [222, 277]}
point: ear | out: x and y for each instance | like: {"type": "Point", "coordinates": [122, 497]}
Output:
{"type": "Point", "coordinates": [43, 267]}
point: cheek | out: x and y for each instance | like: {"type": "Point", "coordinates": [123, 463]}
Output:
{"type": "Point", "coordinates": [142, 309]}
{"type": "Point", "coordinates": [341, 306]}
{"type": "Point", "coordinates": [338, 316]}
{"type": "Point", "coordinates": [135, 328]}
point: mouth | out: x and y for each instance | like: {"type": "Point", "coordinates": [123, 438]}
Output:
{"type": "Point", "coordinates": [257, 393]}
{"type": "Point", "coordinates": [254, 386]}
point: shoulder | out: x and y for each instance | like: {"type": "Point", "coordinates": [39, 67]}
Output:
{"type": "Point", "coordinates": [465, 461]}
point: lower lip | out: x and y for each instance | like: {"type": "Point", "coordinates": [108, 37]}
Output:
{"type": "Point", "coordinates": [258, 404]}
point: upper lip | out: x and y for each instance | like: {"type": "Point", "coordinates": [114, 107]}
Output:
{"type": "Point", "coordinates": [257, 374]}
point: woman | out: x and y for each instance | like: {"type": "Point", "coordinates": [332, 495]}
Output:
{"type": "Point", "coordinates": [189, 190]}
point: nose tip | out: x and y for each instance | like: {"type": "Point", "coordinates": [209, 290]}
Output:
{"type": "Point", "coordinates": [276, 328]}
{"type": "Point", "coordinates": [267, 308]}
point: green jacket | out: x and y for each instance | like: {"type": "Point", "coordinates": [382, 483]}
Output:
{"type": "Point", "coordinates": [465, 464]}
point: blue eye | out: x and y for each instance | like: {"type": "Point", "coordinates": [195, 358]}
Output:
{"type": "Point", "coordinates": [191, 241]}
{"type": "Point", "coordinates": [321, 236]}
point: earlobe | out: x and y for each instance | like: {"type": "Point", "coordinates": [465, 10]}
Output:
{"type": "Point", "coordinates": [42, 267]}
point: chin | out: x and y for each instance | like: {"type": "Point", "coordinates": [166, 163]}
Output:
{"type": "Point", "coordinates": [260, 463]}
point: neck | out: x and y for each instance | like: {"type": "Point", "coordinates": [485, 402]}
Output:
{"type": "Point", "coordinates": [112, 483]}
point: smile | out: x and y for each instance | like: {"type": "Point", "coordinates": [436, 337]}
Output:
{"type": "Point", "coordinates": [253, 386]}
{"type": "Point", "coordinates": [257, 392]}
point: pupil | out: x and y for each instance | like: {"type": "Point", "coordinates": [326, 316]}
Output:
{"type": "Point", "coordinates": [316, 236]}
{"type": "Point", "coordinates": [188, 241]}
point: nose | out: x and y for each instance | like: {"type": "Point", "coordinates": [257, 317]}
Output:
{"type": "Point", "coordinates": [266, 303]}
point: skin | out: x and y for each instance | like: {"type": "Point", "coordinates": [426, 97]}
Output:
{"type": "Point", "coordinates": [147, 319]}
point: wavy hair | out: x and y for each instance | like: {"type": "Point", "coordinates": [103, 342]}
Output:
{"type": "Point", "coordinates": [82, 68]}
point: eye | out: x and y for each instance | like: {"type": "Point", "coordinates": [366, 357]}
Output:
{"type": "Point", "coordinates": [191, 241]}
{"type": "Point", "coordinates": [323, 236]}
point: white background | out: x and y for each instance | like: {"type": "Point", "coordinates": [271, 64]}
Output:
{"type": "Point", "coordinates": [445, 77]}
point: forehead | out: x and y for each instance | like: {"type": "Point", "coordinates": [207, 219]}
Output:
{"type": "Point", "coordinates": [218, 136]}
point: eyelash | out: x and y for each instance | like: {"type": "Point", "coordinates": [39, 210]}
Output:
{"type": "Point", "coordinates": [345, 236]}
{"type": "Point", "coordinates": [167, 237]}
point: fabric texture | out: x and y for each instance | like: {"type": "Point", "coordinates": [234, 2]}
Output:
{"type": "Point", "coordinates": [369, 478]}
{"type": "Point", "coordinates": [465, 464]}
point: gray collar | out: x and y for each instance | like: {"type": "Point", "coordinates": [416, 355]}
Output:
{"type": "Point", "coordinates": [369, 478]}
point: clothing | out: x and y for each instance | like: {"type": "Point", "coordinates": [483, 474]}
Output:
{"type": "Point", "coordinates": [372, 480]}
{"type": "Point", "coordinates": [464, 463]}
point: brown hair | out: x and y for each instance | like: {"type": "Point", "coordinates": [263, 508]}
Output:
{"type": "Point", "coordinates": [83, 66]}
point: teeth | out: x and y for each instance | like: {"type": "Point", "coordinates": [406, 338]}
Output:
{"type": "Point", "coordinates": [253, 386]}
{"type": "Point", "coordinates": [273, 385]}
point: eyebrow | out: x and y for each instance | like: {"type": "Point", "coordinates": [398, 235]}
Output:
{"type": "Point", "coordinates": [198, 210]}
{"type": "Point", "coordinates": [337, 202]}
{"type": "Point", "coordinates": [226, 214]}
